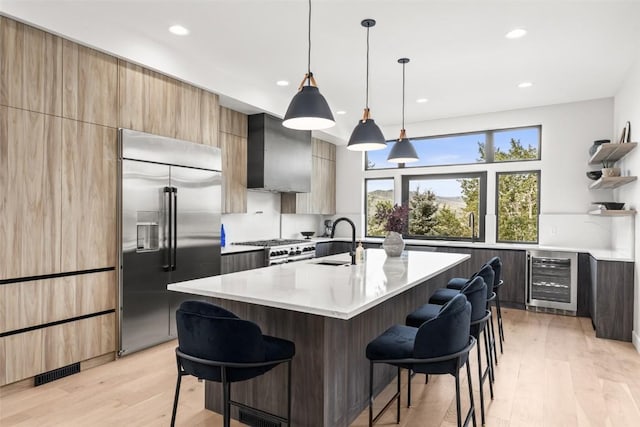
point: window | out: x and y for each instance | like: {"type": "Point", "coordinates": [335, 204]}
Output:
{"type": "Point", "coordinates": [516, 144]}
{"type": "Point", "coordinates": [441, 205]}
{"type": "Point", "coordinates": [379, 196]}
{"type": "Point", "coordinates": [517, 204]}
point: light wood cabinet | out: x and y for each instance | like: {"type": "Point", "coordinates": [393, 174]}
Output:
{"type": "Point", "coordinates": [233, 143]}
{"type": "Point", "coordinates": [147, 100]}
{"type": "Point", "coordinates": [89, 168]}
{"type": "Point", "coordinates": [322, 198]}
{"type": "Point", "coordinates": [34, 352]}
{"type": "Point", "coordinates": [90, 85]}
{"type": "Point", "coordinates": [31, 68]}
{"type": "Point", "coordinates": [154, 103]}
{"type": "Point", "coordinates": [30, 168]}
{"type": "Point", "coordinates": [210, 118]}
{"type": "Point", "coordinates": [37, 302]}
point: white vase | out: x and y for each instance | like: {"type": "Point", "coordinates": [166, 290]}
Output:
{"type": "Point", "coordinates": [393, 244]}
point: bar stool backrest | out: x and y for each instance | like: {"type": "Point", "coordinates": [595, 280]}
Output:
{"type": "Point", "coordinates": [445, 334]}
{"type": "Point", "coordinates": [496, 265]}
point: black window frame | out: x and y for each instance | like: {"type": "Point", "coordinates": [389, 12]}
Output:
{"type": "Point", "coordinates": [482, 204]}
{"type": "Point", "coordinates": [489, 155]}
{"type": "Point", "coordinates": [366, 209]}
{"type": "Point", "coordinates": [497, 208]}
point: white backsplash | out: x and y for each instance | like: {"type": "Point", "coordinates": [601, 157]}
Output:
{"type": "Point", "coordinates": [264, 221]}
{"type": "Point", "coordinates": [575, 230]}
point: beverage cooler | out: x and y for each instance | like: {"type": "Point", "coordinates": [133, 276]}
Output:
{"type": "Point", "coordinates": [552, 281]}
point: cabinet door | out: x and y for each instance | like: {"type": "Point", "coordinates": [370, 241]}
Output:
{"type": "Point", "coordinates": [30, 199]}
{"type": "Point", "coordinates": [31, 64]}
{"type": "Point", "coordinates": [88, 196]}
{"type": "Point", "coordinates": [90, 85]}
{"type": "Point", "coordinates": [242, 261]}
{"type": "Point", "coordinates": [234, 166]}
{"type": "Point", "coordinates": [188, 110]}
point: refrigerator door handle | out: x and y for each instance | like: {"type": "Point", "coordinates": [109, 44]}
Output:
{"type": "Point", "coordinates": [167, 221]}
{"type": "Point", "coordinates": [174, 191]}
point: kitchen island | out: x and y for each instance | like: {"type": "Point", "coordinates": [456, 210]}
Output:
{"type": "Point", "coordinates": [331, 312]}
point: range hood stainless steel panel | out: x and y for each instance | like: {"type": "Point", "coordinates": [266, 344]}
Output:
{"type": "Point", "coordinates": [278, 158]}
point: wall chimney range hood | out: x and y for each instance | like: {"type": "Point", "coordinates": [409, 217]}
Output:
{"type": "Point", "coordinates": [278, 158]}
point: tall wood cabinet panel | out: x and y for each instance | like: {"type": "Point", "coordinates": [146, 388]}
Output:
{"type": "Point", "coordinates": [90, 85]}
{"type": "Point", "coordinates": [161, 105]}
{"type": "Point", "coordinates": [30, 222]}
{"type": "Point", "coordinates": [89, 167]}
{"type": "Point", "coordinates": [30, 68]}
{"type": "Point", "coordinates": [322, 198]}
{"type": "Point", "coordinates": [210, 118]}
{"type": "Point", "coordinates": [233, 143]}
{"type": "Point", "coordinates": [234, 173]}
{"type": "Point", "coordinates": [60, 346]}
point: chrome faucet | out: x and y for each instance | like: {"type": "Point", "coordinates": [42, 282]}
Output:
{"type": "Point", "coordinates": [353, 236]}
{"type": "Point", "coordinates": [472, 224]}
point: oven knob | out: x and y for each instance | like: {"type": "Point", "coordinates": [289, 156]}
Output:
{"type": "Point", "coordinates": [282, 252]}
{"type": "Point", "coordinates": [298, 251]}
{"type": "Point", "coordinates": [273, 253]}
{"type": "Point", "coordinates": [292, 252]}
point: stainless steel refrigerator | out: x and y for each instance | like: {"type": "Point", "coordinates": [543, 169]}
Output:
{"type": "Point", "coordinates": [170, 204]}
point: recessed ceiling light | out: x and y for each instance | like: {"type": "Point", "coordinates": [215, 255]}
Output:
{"type": "Point", "coordinates": [516, 34]}
{"type": "Point", "coordinates": [282, 83]}
{"type": "Point", "coordinates": [525, 84]}
{"type": "Point", "coordinates": [178, 30]}
{"type": "Point", "coordinates": [341, 112]}
{"type": "Point", "coordinates": [422, 100]}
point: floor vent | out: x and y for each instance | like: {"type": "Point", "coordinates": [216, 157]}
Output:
{"type": "Point", "coordinates": [56, 374]}
{"type": "Point", "coordinates": [255, 420]}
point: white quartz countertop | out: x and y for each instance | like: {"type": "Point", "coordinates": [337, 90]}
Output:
{"type": "Point", "coordinates": [233, 249]}
{"type": "Point", "coordinates": [340, 292]}
{"type": "Point", "coordinates": [599, 254]}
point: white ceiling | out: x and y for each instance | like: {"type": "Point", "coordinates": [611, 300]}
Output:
{"type": "Point", "coordinates": [460, 59]}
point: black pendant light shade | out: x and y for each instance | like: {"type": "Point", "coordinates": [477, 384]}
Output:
{"type": "Point", "coordinates": [403, 150]}
{"type": "Point", "coordinates": [367, 136]}
{"type": "Point", "coordinates": [308, 109]}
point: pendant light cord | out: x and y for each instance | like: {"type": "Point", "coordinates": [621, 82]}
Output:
{"type": "Point", "coordinates": [367, 85]}
{"type": "Point", "coordinates": [403, 95]}
{"type": "Point", "coordinates": [309, 41]}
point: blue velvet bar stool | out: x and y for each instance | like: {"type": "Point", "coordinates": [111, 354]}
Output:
{"type": "Point", "coordinates": [457, 283]}
{"type": "Point", "coordinates": [215, 345]}
{"type": "Point", "coordinates": [496, 264]}
{"type": "Point", "coordinates": [439, 346]}
{"type": "Point", "coordinates": [476, 293]}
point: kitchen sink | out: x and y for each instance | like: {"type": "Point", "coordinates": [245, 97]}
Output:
{"type": "Point", "coordinates": [334, 263]}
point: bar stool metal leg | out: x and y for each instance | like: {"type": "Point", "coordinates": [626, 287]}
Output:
{"type": "Point", "coordinates": [473, 406]}
{"type": "Point", "coordinates": [500, 327]}
{"type": "Point", "coordinates": [492, 340]}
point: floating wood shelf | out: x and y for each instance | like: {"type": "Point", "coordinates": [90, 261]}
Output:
{"type": "Point", "coordinates": [611, 152]}
{"type": "Point", "coordinates": [612, 182]}
{"type": "Point", "coordinates": [611, 212]}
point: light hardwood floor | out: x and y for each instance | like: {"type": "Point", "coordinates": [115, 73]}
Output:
{"type": "Point", "coordinates": [553, 372]}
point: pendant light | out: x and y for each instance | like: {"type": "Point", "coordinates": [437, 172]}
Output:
{"type": "Point", "coordinates": [367, 136]}
{"type": "Point", "coordinates": [403, 151]}
{"type": "Point", "coordinates": [308, 109]}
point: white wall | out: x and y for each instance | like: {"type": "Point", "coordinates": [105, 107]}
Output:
{"type": "Point", "coordinates": [627, 108]}
{"type": "Point", "coordinates": [568, 130]}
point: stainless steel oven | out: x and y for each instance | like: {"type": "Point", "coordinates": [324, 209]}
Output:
{"type": "Point", "coordinates": [280, 251]}
{"type": "Point", "coordinates": [552, 281]}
